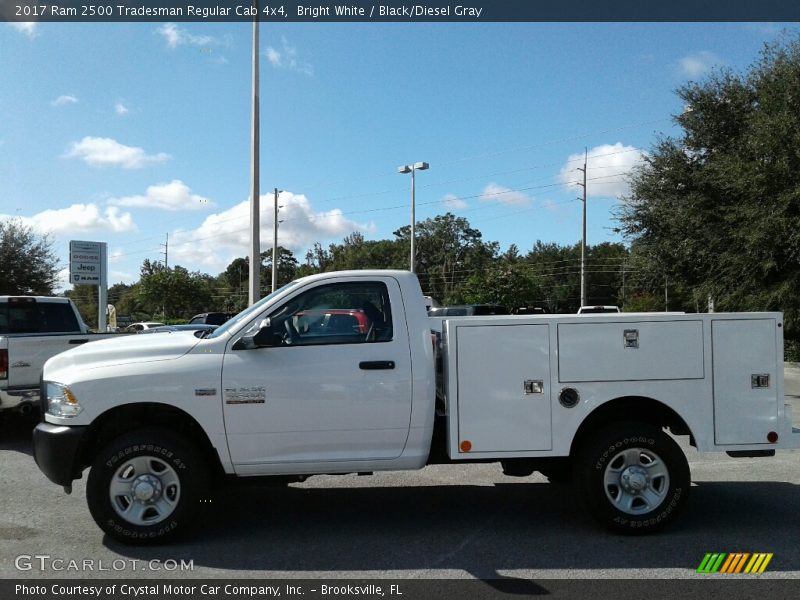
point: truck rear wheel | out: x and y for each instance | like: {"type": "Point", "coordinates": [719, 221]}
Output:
{"type": "Point", "coordinates": [145, 486]}
{"type": "Point", "coordinates": [632, 477]}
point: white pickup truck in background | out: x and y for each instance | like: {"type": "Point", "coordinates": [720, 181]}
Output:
{"type": "Point", "coordinates": [337, 373]}
{"type": "Point", "coordinates": [33, 329]}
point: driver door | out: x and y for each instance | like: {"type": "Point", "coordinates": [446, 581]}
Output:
{"type": "Point", "coordinates": [336, 386]}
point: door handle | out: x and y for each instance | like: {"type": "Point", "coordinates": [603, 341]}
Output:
{"type": "Point", "coordinates": [78, 341]}
{"type": "Point", "coordinates": [374, 365]}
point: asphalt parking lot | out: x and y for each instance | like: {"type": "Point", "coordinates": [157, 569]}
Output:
{"type": "Point", "coordinates": [465, 521]}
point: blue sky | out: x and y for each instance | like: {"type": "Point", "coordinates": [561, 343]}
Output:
{"type": "Point", "coordinates": [125, 132]}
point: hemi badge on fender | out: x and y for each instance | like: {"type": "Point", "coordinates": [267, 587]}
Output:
{"type": "Point", "coordinates": [206, 392]}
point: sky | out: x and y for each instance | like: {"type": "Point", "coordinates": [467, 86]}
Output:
{"type": "Point", "coordinates": [125, 133]}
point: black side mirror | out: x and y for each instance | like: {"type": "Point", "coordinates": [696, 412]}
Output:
{"type": "Point", "coordinates": [263, 338]}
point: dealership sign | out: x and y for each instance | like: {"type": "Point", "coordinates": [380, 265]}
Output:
{"type": "Point", "coordinates": [87, 262]}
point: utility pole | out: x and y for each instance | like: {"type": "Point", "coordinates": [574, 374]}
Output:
{"type": "Point", "coordinates": [275, 245]}
{"type": "Point", "coordinates": [255, 210]}
{"type": "Point", "coordinates": [166, 252]}
{"type": "Point", "coordinates": [583, 237]}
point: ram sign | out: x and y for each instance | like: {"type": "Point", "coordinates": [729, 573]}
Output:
{"type": "Point", "coordinates": [86, 264]}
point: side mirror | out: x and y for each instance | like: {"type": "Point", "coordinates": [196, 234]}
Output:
{"type": "Point", "coordinates": [263, 338]}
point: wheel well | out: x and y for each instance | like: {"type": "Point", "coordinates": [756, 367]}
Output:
{"type": "Point", "coordinates": [631, 408]}
{"type": "Point", "coordinates": [130, 417]}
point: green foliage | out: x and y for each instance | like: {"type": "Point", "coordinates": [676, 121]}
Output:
{"type": "Point", "coordinates": [28, 265]}
{"type": "Point", "coordinates": [509, 284]}
{"type": "Point", "coordinates": [173, 293]}
{"type": "Point", "coordinates": [716, 210]}
{"type": "Point", "coordinates": [448, 252]}
{"type": "Point", "coordinates": [85, 299]}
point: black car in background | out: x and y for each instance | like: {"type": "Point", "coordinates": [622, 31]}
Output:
{"type": "Point", "coordinates": [210, 318]}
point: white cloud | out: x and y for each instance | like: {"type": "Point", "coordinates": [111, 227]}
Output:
{"type": "Point", "coordinates": [453, 202]}
{"type": "Point", "coordinates": [79, 218]}
{"type": "Point", "coordinates": [176, 36]}
{"type": "Point", "coordinates": [273, 56]}
{"type": "Point", "coordinates": [286, 58]}
{"type": "Point", "coordinates": [698, 64]}
{"type": "Point", "coordinates": [28, 28]}
{"type": "Point", "coordinates": [106, 152]}
{"type": "Point", "coordinates": [503, 195]}
{"type": "Point", "coordinates": [608, 168]}
{"type": "Point", "coordinates": [171, 196]}
{"type": "Point", "coordinates": [64, 99]}
{"type": "Point", "coordinates": [226, 235]}
{"type": "Point", "coordinates": [121, 109]}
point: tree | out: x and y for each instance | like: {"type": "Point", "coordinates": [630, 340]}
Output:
{"type": "Point", "coordinates": [28, 265]}
{"type": "Point", "coordinates": [174, 293]}
{"type": "Point", "coordinates": [287, 268]}
{"type": "Point", "coordinates": [355, 253]}
{"type": "Point", "coordinates": [85, 299]}
{"type": "Point", "coordinates": [508, 283]}
{"type": "Point", "coordinates": [717, 209]}
{"type": "Point", "coordinates": [449, 252]}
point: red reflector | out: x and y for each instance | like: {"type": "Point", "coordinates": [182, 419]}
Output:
{"type": "Point", "coordinates": [3, 364]}
{"type": "Point", "coordinates": [772, 437]}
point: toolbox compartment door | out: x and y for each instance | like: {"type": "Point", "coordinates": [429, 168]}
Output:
{"type": "Point", "coordinates": [745, 411]}
{"type": "Point", "coordinates": [504, 388]}
{"type": "Point", "coordinates": [630, 351]}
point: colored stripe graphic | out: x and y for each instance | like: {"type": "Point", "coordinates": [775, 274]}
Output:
{"type": "Point", "coordinates": [759, 562]}
{"type": "Point", "coordinates": [711, 562]}
{"type": "Point", "coordinates": [734, 563]}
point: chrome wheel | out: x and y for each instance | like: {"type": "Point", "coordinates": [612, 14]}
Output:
{"type": "Point", "coordinates": [145, 490]}
{"type": "Point", "coordinates": [636, 481]}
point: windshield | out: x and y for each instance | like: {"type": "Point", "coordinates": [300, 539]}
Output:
{"type": "Point", "coordinates": [250, 312]}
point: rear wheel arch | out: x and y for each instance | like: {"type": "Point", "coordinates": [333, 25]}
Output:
{"type": "Point", "coordinates": [641, 409]}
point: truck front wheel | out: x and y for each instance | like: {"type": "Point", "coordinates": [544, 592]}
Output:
{"type": "Point", "coordinates": [144, 486]}
{"type": "Point", "coordinates": [633, 478]}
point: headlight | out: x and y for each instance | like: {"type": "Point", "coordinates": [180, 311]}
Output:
{"type": "Point", "coordinates": [61, 402]}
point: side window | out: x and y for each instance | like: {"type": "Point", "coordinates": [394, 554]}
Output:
{"type": "Point", "coordinates": [57, 317]}
{"type": "Point", "coordinates": [339, 313]}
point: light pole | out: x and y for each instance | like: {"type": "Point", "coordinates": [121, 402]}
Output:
{"type": "Point", "coordinates": [419, 166]}
{"type": "Point", "coordinates": [255, 208]}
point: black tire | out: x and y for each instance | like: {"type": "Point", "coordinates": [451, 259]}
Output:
{"type": "Point", "coordinates": [147, 460]}
{"type": "Point", "coordinates": [633, 478]}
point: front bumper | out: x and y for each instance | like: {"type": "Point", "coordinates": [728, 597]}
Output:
{"type": "Point", "coordinates": [56, 449]}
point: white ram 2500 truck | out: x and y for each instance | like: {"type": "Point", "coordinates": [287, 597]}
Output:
{"type": "Point", "coordinates": [336, 373]}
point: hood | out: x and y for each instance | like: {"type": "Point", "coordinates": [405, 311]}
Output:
{"type": "Point", "coordinates": [133, 348]}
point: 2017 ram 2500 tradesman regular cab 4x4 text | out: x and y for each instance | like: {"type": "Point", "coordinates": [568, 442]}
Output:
{"type": "Point", "coordinates": [335, 373]}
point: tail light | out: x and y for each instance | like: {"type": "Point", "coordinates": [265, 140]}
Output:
{"type": "Point", "coordinates": [3, 364]}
